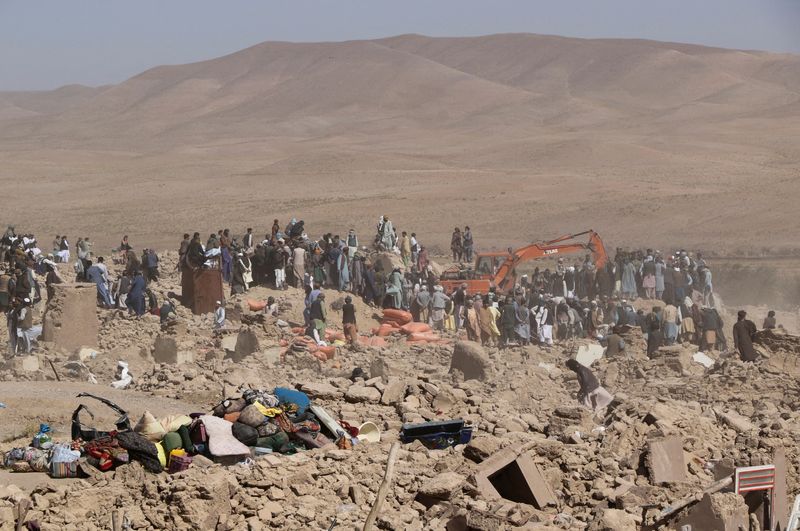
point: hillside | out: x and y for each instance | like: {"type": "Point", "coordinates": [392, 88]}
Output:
{"type": "Point", "coordinates": [627, 131]}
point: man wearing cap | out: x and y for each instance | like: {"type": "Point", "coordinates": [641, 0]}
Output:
{"type": "Point", "coordinates": [743, 332]}
{"type": "Point", "coordinates": [438, 305]}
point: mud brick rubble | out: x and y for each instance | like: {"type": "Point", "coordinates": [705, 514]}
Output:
{"type": "Point", "coordinates": [594, 473]}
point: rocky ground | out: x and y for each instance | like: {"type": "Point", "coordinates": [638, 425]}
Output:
{"type": "Point", "coordinates": [599, 469]}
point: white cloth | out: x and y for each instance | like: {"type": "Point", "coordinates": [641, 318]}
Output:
{"type": "Point", "coordinates": [546, 334]}
{"type": "Point", "coordinates": [219, 317]}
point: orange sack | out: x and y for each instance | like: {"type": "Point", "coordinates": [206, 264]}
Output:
{"type": "Point", "coordinates": [400, 316]}
{"type": "Point", "coordinates": [385, 330]}
{"type": "Point", "coordinates": [372, 341]}
{"type": "Point", "coordinates": [415, 328]}
{"type": "Point", "coordinates": [256, 306]}
{"type": "Point", "coordinates": [426, 336]}
{"type": "Point", "coordinates": [333, 335]}
{"type": "Point", "coordinates": [324, 353]}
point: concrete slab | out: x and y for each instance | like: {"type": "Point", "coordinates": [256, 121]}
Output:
{"type": "Point", "coordinates": [70, 317]}
{"type": "Point", "coordinates": [781, 512]}
{"type": "Point", "coordinates": [736, 421]}
{"type": "Point", "coordinates": [588, 354]}
{"type": "Point", "coordinates": [719, 511]}
{"type": "Point", "coordinates": [165, 349]}
{"type": "Point", "coordinates": [514, 476]}
{"type": "Point", "coordinates": [665, 460]}
{"type": "Point", "coordinates": [703, 360]}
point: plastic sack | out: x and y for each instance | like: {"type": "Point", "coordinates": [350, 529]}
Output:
{"type": "Point", "coordinates": [62, 453]}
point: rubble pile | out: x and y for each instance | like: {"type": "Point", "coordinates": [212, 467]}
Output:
{"type": "Point", "coordinates": [680, 422]}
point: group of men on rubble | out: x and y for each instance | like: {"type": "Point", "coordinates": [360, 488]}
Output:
{"type": "Point", "coordinates": [23, 264]}
{"type": "Point", "coordinates": [287, 256]}
{"type": "Point", "coordinates": [580, 300]}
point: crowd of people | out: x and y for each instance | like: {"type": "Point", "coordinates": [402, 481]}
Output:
{"type": "Point", "coordinates": [567, 301]}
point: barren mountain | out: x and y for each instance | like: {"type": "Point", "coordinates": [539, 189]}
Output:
{"type": "Point", "coordinates": [521, 136]}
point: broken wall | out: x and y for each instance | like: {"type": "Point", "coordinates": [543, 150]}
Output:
{"type": "Point", "coordinates": [70, 317]}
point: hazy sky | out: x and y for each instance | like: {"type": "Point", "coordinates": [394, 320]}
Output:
{"type": "Point", "coordinates": [48, 43]}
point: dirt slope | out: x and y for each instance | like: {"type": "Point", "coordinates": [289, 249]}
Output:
{"type": "Point", "coordinates": [520, 136]}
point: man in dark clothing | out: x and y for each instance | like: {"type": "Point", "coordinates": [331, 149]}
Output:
{"type": "Point", "coordinates": [591, 395]}
{"type": "Point", "coordinates": [508, 320]}
{"type": "Point", "coordinates": [586, 378]}
{"type": "Point", "coordinates": [247, 241]}
{"type": "Point", "coordinates": [318, 319]}
{"type": "Point", "coordinates": [150, 264]}
{"type": "Point", "coordinates": [614, 344]}
{"type": "Point", "coordinates": [195, 256]}
{"type": "Point", "coordinates": [459, 300]}
{"type": "Point", "coordinates": [743, 332]}
{"type": "Point", "coordinates": [349, 321]}
{"type": "Point", "coordinates": [183, 249]}
{"type": "Point", "coordinates": [653, 327]}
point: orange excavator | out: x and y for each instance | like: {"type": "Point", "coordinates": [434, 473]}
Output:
{"type": "Point", "coordinates": [498, 270]}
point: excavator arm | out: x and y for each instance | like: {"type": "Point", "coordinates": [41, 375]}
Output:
{"type": "Point", "coordinates": [506, 278]}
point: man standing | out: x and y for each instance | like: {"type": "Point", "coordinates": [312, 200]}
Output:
{"type": "Point", "coordinates": [299, 265]}
{"type": "Point", "coordinates": [468, 244]}
{"type": "Point", "coordinates": [405, 249]}
{"type": "Point", "coordinates": [227, 255]}
{"type": "Point", "coordinates": [414, 250]}
{"type": "Point", "coordinates": [545, 318]}
{"type": "Point", "coordinates": [247, 241]}
{"type": "Point", "coordinates": [12, 322]}
{"type": "Point", "coordinates": [279, 265]}
{"type": "Point", "coordinates": [456, 245]}
{"type": "Point", "coordinates": [319, 317]}
{"type": "Point", "coordinates": [349, 321]}
{"type": "Point", "coordinates": [743, 332]}
{"type": "Point", "coordinates": [670, 323]}
{"type": "Point", "coordinates": [5, 295]}
{"type": "Point", "coordinates": [508, 320]}
{"type": "Point", "coordinates": [352, 244]}
{"type": "Point", "coordinates": [135, 299]}
{"type": "Point", "coordinates": [438, 305]}
{"type": "Point", "coordinates": [395, 288]}
{"type": "Point", "coordinates": [25, 323]}
{"type": "Point", "coordinates": [219, 316]}
{"type": "Point", "coordinates": [150, 264]}
{"type": "Point", "coordinates": [423, 301]}
{"type": "Point", "coordinates": [459, 300]}
{"type": "Point", "coordinates": [98, 273]}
